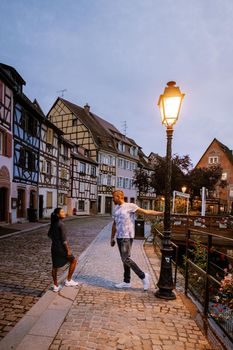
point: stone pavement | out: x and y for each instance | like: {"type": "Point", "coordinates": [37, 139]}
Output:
{"type": "Point", "coordinates": [95, 315]}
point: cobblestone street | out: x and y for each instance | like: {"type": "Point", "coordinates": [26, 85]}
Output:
{"type": "Point", "coordinates": [25, 266]}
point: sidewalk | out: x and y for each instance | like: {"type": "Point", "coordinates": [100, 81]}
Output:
{"type": "Point", "coordinates": [95, 315]}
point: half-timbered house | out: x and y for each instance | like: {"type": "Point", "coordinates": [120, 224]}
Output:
{"type": "Point", "coordinates": [82, 127]}
{"type": "Point", "coordinates": [27, 129]}
{"type": "Point", "coordinates": [7, 86]}
{"type": "Point", "coordinates": [26, 135]}
{"type": "Point", "coordinates": [84, 183]}
{"type": "Point", "coordinates": [49, 197]}
{"type": "Point", "coordinates": [64, 175]}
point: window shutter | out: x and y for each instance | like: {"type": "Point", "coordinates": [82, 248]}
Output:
{"type": "Point", "coordinates": [50, 136]}
{"type": "Point", "coordinates": [43, 166]}
{"type": "Point", "coordinates": [8, 140]}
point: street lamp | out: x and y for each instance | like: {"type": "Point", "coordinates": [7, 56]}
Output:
{"type": "Point", "coordinates": [169, 104]}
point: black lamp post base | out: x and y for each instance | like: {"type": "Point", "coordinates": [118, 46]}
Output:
{"type": "Point", "coordinates": [165, 294]}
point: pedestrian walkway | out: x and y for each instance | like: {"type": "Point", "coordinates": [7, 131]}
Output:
{"type": "Point", "coordinates": [95, 315]}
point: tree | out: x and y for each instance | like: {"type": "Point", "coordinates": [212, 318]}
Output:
{"type": "Point", "coordinates": [141, 181]}
{"type": "Point", "coordinates": [204, 177]}
{"type": "Point", "coordinates": [180, 168]}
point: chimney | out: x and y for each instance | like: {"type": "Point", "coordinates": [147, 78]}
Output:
{"type": "Point", "coordinates": [87, 108]}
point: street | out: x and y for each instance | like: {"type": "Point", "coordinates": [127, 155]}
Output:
{"type": "Point", "coordinates": [25, 266]}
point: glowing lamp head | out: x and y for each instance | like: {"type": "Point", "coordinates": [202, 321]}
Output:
{"type": "Point", "coordinates": [183, 189]}
{"type": "Point", "coordinates": [170, 103]}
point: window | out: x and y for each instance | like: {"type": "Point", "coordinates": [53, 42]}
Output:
{"type": "Point", "coordinates": [121, 163]}
{"type": "Point", "coordinates": [131, 185]}
{"type": "Point", "coordinates": [231, 192]}
{"type": "Point", "coordinates": [213, 160]}
{"type": "Point", "coordinates": [126, 183]}
{"type": "Point", "coordinates": [93, 189]}
{"type": "Point", "coordinates": [74, 122]}
{"type": "Point", "coordinates": [104, 179]}
{"type": "Point", "coordinates": [32, 126]}
{"type": "Point", "coordinates": [121, 146]}
{"type": "Point", "coordinates": [62, 199]}
{"type": "Point", "coordinates": [81, 205]}
{"type": "Point", "coordinates": [109, 180]}
{"type": "Point", "coordinates": [224, 176]}
{"type": "Point", "coordinates": [28, 123]}
{"type": "Point", "coordinates": [30, 161]}
{"type": "Point", "coordinates": [82, 168]}
{"type": "Point", "coordinates": [120, 182]}
{"type": "Point", "coordinates": [48, 168]}
{"type": "Point", "coordinates": [81, 187]}
{"type": "Point", "coordinates": [27, 159]}
{"type": "Point", "coordinates": [49, 200]}
{"type": "Point", "coordinates": [93, 171]}
{"type": "Point", "coordinates": [23, 120]}
{"type": "Point", "coordinates": [133, 151]}
{"type": "Point", "coordinates": [111, 160]}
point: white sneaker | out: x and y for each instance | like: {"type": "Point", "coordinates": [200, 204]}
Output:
{"type": "Point", "coordinates": [146, 281]}
{"type": "Point", "coordinates": [71, 283]}
{"type": "Point", "coordinates": [56, 288]}
{"type": "Point", "coordinates": [123, 285]}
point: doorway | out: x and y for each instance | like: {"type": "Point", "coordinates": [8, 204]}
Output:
{"type": "Point", "coordinates": [3, 204]}
{"type": "Point", "coordinates": [21, 203]}
{"type": "Point", "coordinates": [108, 205]}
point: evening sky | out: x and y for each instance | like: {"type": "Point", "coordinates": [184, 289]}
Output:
{"type": "Point", "coordinates": [118, 55]}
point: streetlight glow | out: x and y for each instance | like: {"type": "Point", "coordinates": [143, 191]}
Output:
{"type": "Point", "coordinates": [183, 189]}
{"type": "Point", "coordinates": [170, 103]}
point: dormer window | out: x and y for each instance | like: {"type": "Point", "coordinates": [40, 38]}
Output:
{"type": "Point", "coordinates": [74, 122]}
{"type": "Point", "coordinates": [121, 146]}
{"type": "Point", "coordinates": [133, 151]}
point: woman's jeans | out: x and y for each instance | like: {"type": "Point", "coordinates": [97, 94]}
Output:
{"type": "Point", "coordinates": [125, 245]}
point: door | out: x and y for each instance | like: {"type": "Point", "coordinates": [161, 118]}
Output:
{"type": "Point", "coordinates": [3, 204]}
{"type": "Point", "coordinates": [108, 205]}
{"type": "Point", "coordinates": [21, 203]}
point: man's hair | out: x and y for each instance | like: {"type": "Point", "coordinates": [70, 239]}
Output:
{"type": "Point", "coordinates": [120, 192]}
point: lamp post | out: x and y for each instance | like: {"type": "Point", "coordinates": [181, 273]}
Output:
{"type": "Point", "coordinates": [169, 103]}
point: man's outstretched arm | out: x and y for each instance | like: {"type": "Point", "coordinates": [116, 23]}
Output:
{"type": "Point", "coordinates": [149, 212]}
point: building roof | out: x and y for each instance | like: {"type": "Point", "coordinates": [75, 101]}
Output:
{"type": "Point", "coordinates": [105, 135]}
{"type": "Point", "coordinates": [84, 158]}
{"type": "Point", "coordinates": [100, 134]}
{"type": "Point", "coordinates": [12, 73]}
{"type": "Point", "coordinates": [223, 147]}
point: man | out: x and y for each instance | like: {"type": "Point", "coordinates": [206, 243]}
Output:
{"type": "Point", "coordinates": [123, 228]}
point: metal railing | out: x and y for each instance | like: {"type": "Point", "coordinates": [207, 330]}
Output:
{"type": "Point", "coordinates": [157, 240]}
{"type": "Point", "coordinates": [209, 277]}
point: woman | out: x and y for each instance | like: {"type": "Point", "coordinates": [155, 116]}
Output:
{"type": "Point", "coordinates": [61, 253]}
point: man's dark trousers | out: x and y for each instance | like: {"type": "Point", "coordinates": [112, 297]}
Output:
{"type": "Point", "coordinates": [125, 245]}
